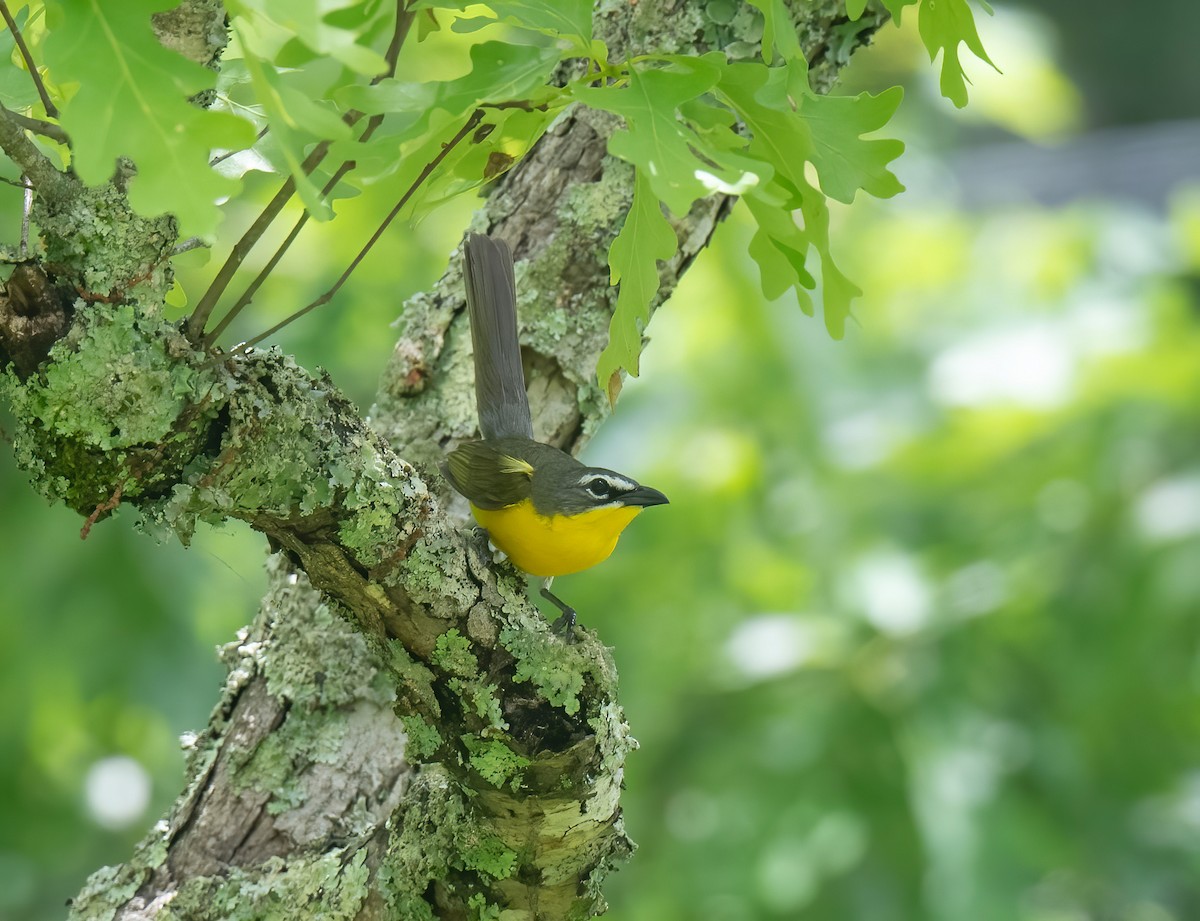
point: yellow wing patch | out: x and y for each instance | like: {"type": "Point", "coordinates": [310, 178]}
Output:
{"type": "Point", "coordinates": [509, 464]}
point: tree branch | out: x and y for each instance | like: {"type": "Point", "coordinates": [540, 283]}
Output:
{"type": "Point", "coordinates": [38, 126]}
{"type": "Point", "coordinates": [48, 180]}
{"type": "Point", "coordinates": [516, 807]}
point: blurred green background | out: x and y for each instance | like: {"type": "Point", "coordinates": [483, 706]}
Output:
{"type": "Point", "coordinates": [917, 637]}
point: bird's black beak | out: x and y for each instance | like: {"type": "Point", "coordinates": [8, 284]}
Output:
{"type": "Point", "coordinates": [644, 496]}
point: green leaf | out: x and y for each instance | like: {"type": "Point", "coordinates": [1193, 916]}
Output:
{"type": "Point", "coordinates": [896, 7]}
{"type": "Point", "coordinates": [645, 238]}
{"type": "Point", "coordinates": [560, 19]}
{"type": "Point", "coordinates": [779, 247]}
{"type": "Point", "coordinates": [337, 29]}
{"type": "Point", "coordinates": [760, 96]}
{"type": "Point", "coordinates": [790, 124]}
{"type": "Point", "coordinates": [944, 24]}
{"type": "Point", "coordinates": [779, 32]}
{"type": "Point", "coordinates": [826, 133]}
{"type": "Point", "coordinates": [500, 72]}
{"type": "Point", "coordinates": [844, 160]}
{"type": "Point", "coordinates": [510, 135]}
{"type": "Point", "coordinates": [855, 8]}
{"type": "Point", "coordinates": [296, 121]}
{"type": "Point", "coordinates": [837, 291]}
{"type": "Point", "coordinates": [662, 146]}
{"type": "Point", "coordinates": [133, 102]}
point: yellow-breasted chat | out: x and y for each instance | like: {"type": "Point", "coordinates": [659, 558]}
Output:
{"type": "Point", "coordinates": [549, 513]}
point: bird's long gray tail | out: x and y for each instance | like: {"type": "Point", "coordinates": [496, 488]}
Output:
{"type": "Point", "coordinates": [500, 395]}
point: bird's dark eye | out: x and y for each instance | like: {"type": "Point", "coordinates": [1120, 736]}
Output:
{"type": "Point", "coordinates": [599, 487]}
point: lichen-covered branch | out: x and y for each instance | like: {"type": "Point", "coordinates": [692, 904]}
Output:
{"type": "Point", "coordinates": [17, 146]}
{"type": "Point", "coordinates": [389, 637]}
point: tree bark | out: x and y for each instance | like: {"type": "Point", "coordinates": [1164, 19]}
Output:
{"type": "Point", "coordinates": [388, 638]}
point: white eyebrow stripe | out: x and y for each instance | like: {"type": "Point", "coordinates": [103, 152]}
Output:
{"type": "Point", "coordinates": [620, 483]}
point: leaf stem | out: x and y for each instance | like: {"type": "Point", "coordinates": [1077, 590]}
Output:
{"type": "Point", "coordinates": [33, 71]}
{"type": "Point", "coordinates": [325, 298]}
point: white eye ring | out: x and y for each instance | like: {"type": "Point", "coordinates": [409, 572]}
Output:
{"type": "Point", "coordinates": [599, 487]}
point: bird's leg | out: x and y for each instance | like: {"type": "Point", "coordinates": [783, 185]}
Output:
{"type": "Point", "coordinates": [498, 556]}
{"type": "Point", "coordinates": [565, 624]}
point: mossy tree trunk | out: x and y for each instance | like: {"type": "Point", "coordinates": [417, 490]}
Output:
{"type": "Point", "coordinates": [400, 735]}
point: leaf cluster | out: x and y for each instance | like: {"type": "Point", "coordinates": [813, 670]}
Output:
{"type": "Point", "coordinates": [299, 76]}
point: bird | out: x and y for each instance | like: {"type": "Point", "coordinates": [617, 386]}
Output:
{"type": "Point", "coordinates": [548, 512]}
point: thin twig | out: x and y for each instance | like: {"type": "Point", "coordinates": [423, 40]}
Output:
{"type": "Point", "coordinates": [261, 277]}
{"type": "Point", "coordinates": [27, 206]}
{"type": "Point", "coordinates": [404, 21]}
{"type": "Point", "coordinates": [229, 153]}
{"type": "Point", "coordinates": [38, 126]}
{"type": "Point", "coordinates": [252, 288]}
{"type": "Point", "coordinates": [106, 506]}
{"type": "Point", "coordinates": [188, 245]}
{"type": "Point", "coordinates": [32, 68]}
{"type": "Point", "coordinates": [241, 249]}
{"type": "Point", "coordinates": [200, 316]}
{"type": "Point", "coordinates": [325, 298]}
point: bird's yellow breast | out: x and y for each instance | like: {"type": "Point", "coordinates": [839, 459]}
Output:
{"type": "Point", "coordinates": [554, 545]}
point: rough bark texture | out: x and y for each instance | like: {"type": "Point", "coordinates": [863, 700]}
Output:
{"type": "Point", "coordinates": [388, 637]}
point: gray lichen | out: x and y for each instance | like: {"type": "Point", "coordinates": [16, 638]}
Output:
{"type": "Point", "coordinates": [93, 241]}
{"type": "Point", "coordinates": [332, 886]}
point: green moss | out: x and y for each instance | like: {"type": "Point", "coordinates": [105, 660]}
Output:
{"type": "Point", "coordinates": [452, 652]}
{"type": "Point", "coordinates": [122, 402]}
{"type": "Point", "coordinates": [109, 888]}
{"type": "Point", "coordinates": [275, 460]}
{"type": "Point", "coordinates": [481, 699]}
{"type": "Point", "coordinates": [414, 682]}
{"type": "Point", "coordinates": [434, 572]}
{"type": "Point", "coordinates": [94, 239]}
{"type": "Point", "coordinates": [105, 891]}
{"type": "Point", "coordinates": [596, 207]}
{"type": "Point", "coordinates": [591, 900]}
{"type": "Point", "coordinates": [377, 493]}
{"type": "Point", "coordinates": [332, 887]}
{"type": "Point", "coordinates": [489, 855]}
{"type": "Point", "coordinates": [496, 762]}
{"type": "Point", "coordinates": [483, 910]}
{"type": "Point", "coordinates": [315, 658]}
{"type": "Point", "coordinates": [276, 432]}
{"type": "Point", "coordinates": [424, 740]}
{"type": "Point", "coordinates": [272, 766]}
{"type": "Point", "coordinates": [424, 844]}
{"type": "Point", "coordinates": [556, 668]}
{"type": "Point", "coordinates": [613, 739]}
{"type": "Point", "coordinates": [487, 705]}
{"type": "Point", "coordinates": [438, 839]}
